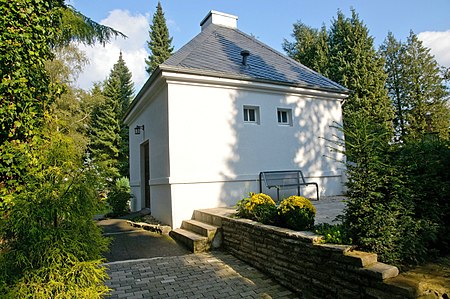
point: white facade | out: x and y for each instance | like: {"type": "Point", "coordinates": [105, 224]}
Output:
{"type": "Point", "coordinates": [204, 154]}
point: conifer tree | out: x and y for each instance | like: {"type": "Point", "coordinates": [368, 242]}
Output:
{"type": "Point", "coordinates": [392, 51]}
{"type": "Point", "coordinates": [120, 89]}
{"type": "Point", "coordinates": [345, 53]}
{"type": "Point", "coordinates": [310, 47]}
{"type": "Point", "coordinates": [104, 133]}
{"type": "Point", "coordinates": [355, 64]}
{"type": "Point", "coordinates": [160, 41]}
{"type": "Point", "coordinates": [417, 89]}
{"type": "Point", "coordinates": [425, 95]}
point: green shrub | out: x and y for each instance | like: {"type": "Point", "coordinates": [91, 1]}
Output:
{"type": "Point", "coordinates": [297, 212]}
{"type": "Point", "coordinates": [51, 247]}
{"type": "Point", "coordinates": [119, 197]}
{"type": "Point", "coordinates": [426, 164]}
{"type": "Point", "coordinates": [397, 194]}
{"type": "Point", "coordinates": [267, 214]}
{"type": "Point", "coordinates": [333, 233]}
{"type": "Point", "coordinates": [259, 207]}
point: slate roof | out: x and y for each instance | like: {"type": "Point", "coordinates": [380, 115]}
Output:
{"type": "Point", "coordinates": [217, 50]}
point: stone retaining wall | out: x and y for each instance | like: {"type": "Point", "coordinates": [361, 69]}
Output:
{"type": "Point", "coordinates": [298, 261]}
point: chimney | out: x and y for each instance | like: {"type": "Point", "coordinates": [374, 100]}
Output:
{"type": "Point", "coordinates": [220, 19]}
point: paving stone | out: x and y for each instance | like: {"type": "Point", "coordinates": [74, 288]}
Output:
{"type": "Point", "coordinates": [208, 275]}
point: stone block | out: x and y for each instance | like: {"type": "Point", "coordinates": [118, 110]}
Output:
{"type": "Point", "coordinates": [357, 258]}
{"type": "Point", "coordinates": [380, 271]}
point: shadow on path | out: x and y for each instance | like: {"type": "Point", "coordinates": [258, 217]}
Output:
{"type": "Point", "coordinates": [129, 243]}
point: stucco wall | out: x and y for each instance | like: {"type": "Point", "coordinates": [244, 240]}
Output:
{"type": "Point", "coordinates": [215, 157]}
{"type": "Point", "coordinates": [203, 154]}
{"type": "Point", "coordinates": [154, 118]}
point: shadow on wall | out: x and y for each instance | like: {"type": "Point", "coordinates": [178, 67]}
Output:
{"type": "Point", "coordinates": [271, 146]}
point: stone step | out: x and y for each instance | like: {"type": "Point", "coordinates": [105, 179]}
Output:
{"type": "Point", "coordinates": [201, 228]}
{"type": "Point", "coordinates": [194, 242]}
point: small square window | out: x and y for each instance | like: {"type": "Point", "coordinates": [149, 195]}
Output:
{"type": "Point", "coordinates": [284, 116]}
{"type": "Point", "coordinates": [251, 114]}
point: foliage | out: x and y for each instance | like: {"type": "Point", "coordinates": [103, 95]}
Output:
{"type": "Point", "coordinates": [119, 197]}
{"type": "Point", "coordinates": [120, 88]}
{"type": "Point", "coordinates": [297, 212]}
{"type": "Point", "coordinates": [380, 215]}
{"type": "Point", "coordinates": [310, 47]}
{"type": "Point", "coordinates": [257, 206]}
{"type": "Point", "coordinates": [26, 92]}
{"type": "Point", "coordinates": [345, 53]}
{"type": "Point", "coordinates": [109, 135]}
{"type": "Point", "coordinates": [74, 26]}
{"type": "Point", "coordinates": [417, 89]}
{"type": "Point", "coordinates": [48, 229]}
{"type": "Point", "coordinates": [333, 233]}
{"type": "Point", "coordinates": [50, 247]}
{"type": "Point", "coordinates": [104, 132]}
{"type": "Point", "coordinates": [160, 42]}
{"type": "Point", "coordinates": [429, 180]}
{"type": "Point", "coordinates": [267, 214]}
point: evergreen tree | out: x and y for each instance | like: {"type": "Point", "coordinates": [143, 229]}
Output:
{"type": "Point", "coordinates": [393, 53]}
{"type": "Point", "coordinates": [120, 88]}
{"type": "Point", "coordinates": [426, 96]}
{"type": "Point", "coordinates": [310, 47]}
{"type": "Point", "coordinates": [49, 245]}
{"type": "Point", "coordinates": [104, 134]}
{"type": "Point", "coordinates": [160, 42]}
{"type": "Point", "coordinates": [109, 135]}
{"type": "Point", "coordinates": [345, 53]}
{"type": "Point", "coordinates": [417, 89]}
{"type": "Point", "coordinates": [355, 64]}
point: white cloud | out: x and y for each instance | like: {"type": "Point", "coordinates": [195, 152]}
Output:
{"type": "Point", "coordinates": [439, 43]}
{"type": "Point", "coordinates": [133, 48]}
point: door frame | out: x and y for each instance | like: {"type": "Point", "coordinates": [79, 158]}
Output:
{"type": "Point", "coordinates": [145, 174]}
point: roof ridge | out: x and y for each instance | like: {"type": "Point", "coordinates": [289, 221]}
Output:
{"type": "Point", "coordinates": [287, 57]}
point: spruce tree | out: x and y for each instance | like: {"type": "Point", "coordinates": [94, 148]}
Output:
{"type": "Point", "coordinates": [355, 64]}
{"type": "Point", "coordinates": [346, 54]}
{"type": "Point", "coordinates": [310, 47]}
{"type": "Point", "coordinates": [160, 41]}
{"type": "Point", "coordinates": [426, 95]}
{"type": "Point", "coordinates": [109, 135]}
{"type": "Point", "coordinates": [393, 53]}
{"type": "Point", "coordinates": [120, 89]}
{"type": "Point", "coordinates": [417, 89]}
{"type": "Point", "coordinates": [104, 133]}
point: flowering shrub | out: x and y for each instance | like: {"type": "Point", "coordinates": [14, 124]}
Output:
{"type": "Point", "coordinates": [297, 212]}
{"type": "Point", "coordinates": [259, 207]}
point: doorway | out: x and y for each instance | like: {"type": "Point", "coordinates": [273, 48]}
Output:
{"type": "Point", "coordinates": [145, 173]}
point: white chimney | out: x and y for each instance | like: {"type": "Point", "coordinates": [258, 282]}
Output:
{"type": "Point", "coordinates": [219, 18]}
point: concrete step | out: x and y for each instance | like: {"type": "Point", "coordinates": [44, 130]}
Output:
{"type": "Point", "coordinates": [194, 242]}
{"type": "Point", "coordinates": [201, 228]}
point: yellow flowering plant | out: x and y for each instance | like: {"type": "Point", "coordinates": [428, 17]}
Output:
{"type": "Point", "coordinates": [294, 202]}
{"type": "Point", "coordinates": [297, 212]}
{"type": "Point", "coordinates": [259, 207]}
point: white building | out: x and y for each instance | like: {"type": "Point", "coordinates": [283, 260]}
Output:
{"type": "Point", "coordinates": [220, 110]}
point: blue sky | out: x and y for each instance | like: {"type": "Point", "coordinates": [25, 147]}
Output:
{"type": "Point", "coordinates": [270, 21]}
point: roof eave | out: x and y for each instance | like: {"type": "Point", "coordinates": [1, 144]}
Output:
{"type": "Point", "coordinates": [200, 72]}
{"type": "Point", "coordinates": [141, 92]}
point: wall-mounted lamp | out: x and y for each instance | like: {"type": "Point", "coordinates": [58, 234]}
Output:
{"type": "Point", "coordinates": [137, 129]}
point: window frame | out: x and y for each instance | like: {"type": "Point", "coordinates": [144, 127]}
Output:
{"type": "Point", "coordinates": [288, 113]}
{"type": "Point", "coordinates": [246, 114]}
